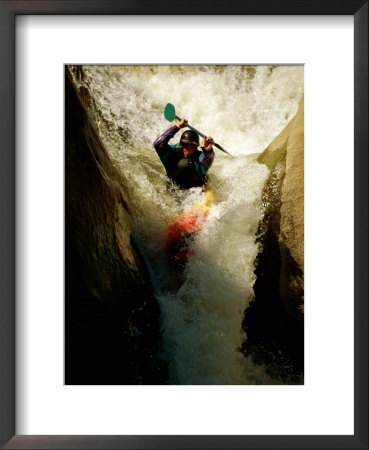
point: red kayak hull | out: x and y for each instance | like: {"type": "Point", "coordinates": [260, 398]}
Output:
{"type": "Point", "coordinates": [181, 231]}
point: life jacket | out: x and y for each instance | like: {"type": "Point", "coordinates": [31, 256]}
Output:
{"type": "Point", "coordinates": [184, 171]}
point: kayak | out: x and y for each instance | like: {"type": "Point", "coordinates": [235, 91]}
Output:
{"type": "Point", "coordinates": [184, 228]}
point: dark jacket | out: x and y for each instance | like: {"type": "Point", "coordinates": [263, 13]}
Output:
{"type": "Point", "coordinates": [185, 172]}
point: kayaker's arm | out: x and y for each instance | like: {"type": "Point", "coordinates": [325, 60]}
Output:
{"type": "Point", "coordinates": [207, 156]}
{"type": "Point", "coordinates": [208, 146]}
{"type": "Point", "coordinates": [161, 143]}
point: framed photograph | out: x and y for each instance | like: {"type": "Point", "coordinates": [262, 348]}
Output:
{"type": "Point", "coordinates": [158, 289]}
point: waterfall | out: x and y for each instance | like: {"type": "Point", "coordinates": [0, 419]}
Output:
{"type": "Point", "coordinates": [243, 108]}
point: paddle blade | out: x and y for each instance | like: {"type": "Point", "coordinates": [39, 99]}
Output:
{"type": "Point", "coordinates": [170, 112]}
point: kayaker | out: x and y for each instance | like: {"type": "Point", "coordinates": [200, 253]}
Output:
{"type": "Point", "coordinates": [185, 165]}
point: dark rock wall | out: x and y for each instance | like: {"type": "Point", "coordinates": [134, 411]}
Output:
{"type": "Point", "coordinates": [284, 221]}
{"type": "Point", "coordinates": [274, 322]}
{"type": "Point", "coordinates": [112, 320]}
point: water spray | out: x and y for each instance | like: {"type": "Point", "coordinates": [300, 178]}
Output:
{"type": "Point", "coordinates": [170, 115]}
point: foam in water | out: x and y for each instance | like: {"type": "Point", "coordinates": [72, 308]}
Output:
{"type": "Point", "coordinates": [243, 108]}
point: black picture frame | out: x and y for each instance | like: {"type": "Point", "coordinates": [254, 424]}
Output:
{"type": "Point", "coordinates": [8, 11]}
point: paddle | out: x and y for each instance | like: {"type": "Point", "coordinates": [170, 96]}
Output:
{"type": "Point", "coordinates": [170, 115]}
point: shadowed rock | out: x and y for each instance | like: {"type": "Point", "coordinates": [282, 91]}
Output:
{"type": "Point", "coordinates": [274, 320]}
{"type": "Point", "coordinates": [111, 317]}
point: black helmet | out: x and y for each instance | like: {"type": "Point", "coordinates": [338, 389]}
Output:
{"type": "Point", "coordinates": [190, 137]}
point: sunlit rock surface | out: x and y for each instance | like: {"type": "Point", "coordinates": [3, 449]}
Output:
{"type": "Point", "coordinates": [283, 224]}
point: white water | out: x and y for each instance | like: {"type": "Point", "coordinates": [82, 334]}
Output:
{"type": "Point", "coordinates": [244, 109]}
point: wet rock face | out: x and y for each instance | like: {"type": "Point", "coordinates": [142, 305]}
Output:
{"type": "Point", "coordinates": [111, 317]}
{"type": "Point", "coordinates": [274, 320]}
{"type": "Point", "coordinates": [284, 222]}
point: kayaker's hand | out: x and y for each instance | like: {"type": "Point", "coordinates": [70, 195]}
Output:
{"type": "Point", "coordinates": [182, 123]}
{"type": "Point", "coordinates": [208, 146]}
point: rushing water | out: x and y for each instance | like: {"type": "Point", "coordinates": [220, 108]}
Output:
{"type": "Point", "coordinates": [244, 108]}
